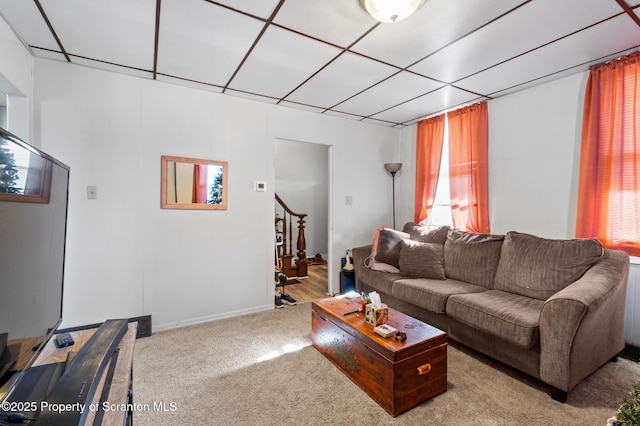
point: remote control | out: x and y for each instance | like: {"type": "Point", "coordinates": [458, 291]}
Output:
{"type": "Point", "coordinates": [64, 339]}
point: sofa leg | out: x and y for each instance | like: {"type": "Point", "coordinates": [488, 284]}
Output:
{"type": "Point", "coordinates": [558, 395]}
{"type": "Point", "coordinates": [614, 358]}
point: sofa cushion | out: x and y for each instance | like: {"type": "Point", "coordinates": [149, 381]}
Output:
{"type": "Point", "coordinates": [421, 260]}
{"type": "Point", "coordinates": [472, 257]}
{"type": "Point", "coordinates": [431, 294]}
{"type": "Point", "coordinates": [426, 234]}
{"type": "Point", "coordinates": [509, 316]}
{"type": "Point", "coordinates": [539, 267]}
{"type": "Point", "coordinates": [387, 249]}
{"type": "Point", "coordinates": [381, 282]}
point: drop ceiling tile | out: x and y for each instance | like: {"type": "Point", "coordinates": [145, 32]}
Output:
{"type": "Point", "coordinates": [581, 48]}
{"type": "Point", "coordinates": [336, 21]}
{"type": "Point", "coordinates": [47, 54]}
{"type": "Point", "coordinates": [301, 106]}
{"type": "Point", "coordinates": [203, 42]}
{"type": "Point", "coordinates": [524, 29]}
{"type": "Point", "coordinates": [189, 83]}
{"type": "Point", "coordinates": [344, 77]}
{"type": "Point", "coordinates": [436, 24]}
{"type": "Point", "coordinates": [25, 19]}
{"type": "Point", "coordinates": [112, 67]}
{"type": "Point", "coordinates": [431, 103]}
{"type": "Point", "coordinates": [116, 31]}
{"type": "Point", "coordinates": [280, 62]}
{"type": "Point", "coordinates": [343, 114]}
{"type": "Point", "coordinates": [392, 91]}
{"type": "Point", "coordinates": [262, 8]}
{"type": "Point", "coordinates": [251, 96]}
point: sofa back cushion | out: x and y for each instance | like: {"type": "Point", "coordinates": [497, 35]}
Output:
{"type": "Point", "coordinates": [472, 257]}
{"type": "Point", "coordinates": [421, 260]}
{"type": "Point", "coordinates": [426, 234]}
{"type": "Point", "coordinates": [539, 267]}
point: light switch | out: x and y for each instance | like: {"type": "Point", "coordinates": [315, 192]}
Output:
{"type": "Point", "coordinates": [259, 186]}
{"type": "Point", "coordinates": [92, 192]}
{"type": "Point", "coordinates": [348, 200]}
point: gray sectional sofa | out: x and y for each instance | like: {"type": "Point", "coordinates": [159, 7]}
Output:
{"type": "Point", "coordinates": [553, 309]}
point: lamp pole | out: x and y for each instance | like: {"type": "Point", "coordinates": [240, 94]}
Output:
{"type": "Point", "coordinates": [393, 168]}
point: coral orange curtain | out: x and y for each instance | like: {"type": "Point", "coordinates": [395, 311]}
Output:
{"type": "Point", "coordinates": [609, 187]}
{"type": "Point", "coordinates": [468, 167]}
{"type": "Point", "coordinates": [199, 184]}
{"type": "Point", "coordinates": [428, 154]}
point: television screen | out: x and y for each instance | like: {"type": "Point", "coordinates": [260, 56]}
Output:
{"type": "Point", "coordinates": [33, 216]}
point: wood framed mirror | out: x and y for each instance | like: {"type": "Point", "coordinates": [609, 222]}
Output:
{"type": "Point", "coordinates": [193, 183]}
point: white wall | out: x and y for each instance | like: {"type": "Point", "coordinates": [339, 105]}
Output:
{"type": "Point", "coordinates": [125, 255]}
{"type": "Point", "coordinates": [16, 81]}
{"type": "Point", "coordinates": [302, 182]}
{"type": "Point", "coordinates": [534, 158]}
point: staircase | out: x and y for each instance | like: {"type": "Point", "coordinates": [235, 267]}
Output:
{"type": "Point", "coordinates": [284, 223]}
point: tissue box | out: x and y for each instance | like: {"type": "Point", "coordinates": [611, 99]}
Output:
{"type": "Point", "coordinates": [376, 315]}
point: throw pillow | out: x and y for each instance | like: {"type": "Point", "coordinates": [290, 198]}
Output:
{"type": "Point", "coordinates": [426, 234]}
{"type": "Point", "coordinates": [472, 257]}
{"type": "Point", "coordinates": [421, 260]}
{"type": "Point", "coordinates": [388, 247]}
{"type": "Point", "coordinates": [540, 267]}
{"type": "Point", "coordinates": [371, 260]}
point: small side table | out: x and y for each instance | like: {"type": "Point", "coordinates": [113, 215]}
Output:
{"type": "Point", "coordinates": [347, 281]}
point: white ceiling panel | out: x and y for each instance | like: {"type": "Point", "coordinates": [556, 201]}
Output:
{"type": "Point", "coordinates": [392, 91]}
{"type": "Point", "coordinates": [585, 47]}
{"type": "Point", "coordinates": [331, 57]}
{"type": "Point", "coordinates": [251, 96]}
{"type": "Point", "coordinates": [47, 54]}
{"type": "Point", "coordinates": [280, 62]}
{"type": "Point", "coordinates": [188, 83]}
{"type": "Point", "coordinates": [262, 8]}
{"type": "Point", "coordinates": [105, 66]}
{"type": "Point", "coordinates": [116, 31]}
{"type": "Point", "coordinates": [203, 42]}
{"type": "Point", "coordinates": [29, 25]}
{"type": "Point", "coordinates": [526, 28]}
{"type": "Point", "coordinates": [344, 77]}
{"type": "Point", "coordinates": [336, 21]}
{"type": "Point", "coordinates": [436, 24]}
{"type": "Point", "coordinates": [437, 101]}
{"type": "Point", "coordinates": [301, 106]}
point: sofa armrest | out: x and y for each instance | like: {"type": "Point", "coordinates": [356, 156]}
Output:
{"type": "Point", "coordinates": [582, 326]}
{"type": "Point", "coordinates": [360, 257]}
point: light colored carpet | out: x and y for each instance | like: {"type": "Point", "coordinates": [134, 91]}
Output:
{"type": "Point", "coordinates": [260, 369]}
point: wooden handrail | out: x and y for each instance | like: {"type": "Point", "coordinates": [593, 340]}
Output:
{"type": "Point", "coordinates": [287, 209]}
{"type": "Point", "coordinates": [301, 243]}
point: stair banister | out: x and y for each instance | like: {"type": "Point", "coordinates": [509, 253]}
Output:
{"type": "Point", "coordinates": [301, 243]}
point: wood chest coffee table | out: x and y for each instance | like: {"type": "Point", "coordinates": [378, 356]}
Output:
{"type": "Point", "coordinates": [398, 376]}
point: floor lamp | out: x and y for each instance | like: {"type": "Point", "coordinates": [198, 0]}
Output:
{"type": "Point", "coordinates": [393, 168]}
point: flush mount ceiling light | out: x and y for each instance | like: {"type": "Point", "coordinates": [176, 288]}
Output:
{"type": "Point", "coordinates": [390, 10]}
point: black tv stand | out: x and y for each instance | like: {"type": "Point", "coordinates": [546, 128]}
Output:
{"type": "Point", "coordinates": [78, 380]}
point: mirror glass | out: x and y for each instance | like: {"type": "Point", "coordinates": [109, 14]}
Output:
{"type": "Point", "coordinates": [193, 183]}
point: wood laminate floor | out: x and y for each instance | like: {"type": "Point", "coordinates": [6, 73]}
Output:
{"type": "Point", "coordinates": [312, 288]}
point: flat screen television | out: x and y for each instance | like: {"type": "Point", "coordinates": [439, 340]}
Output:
{"type": "Point", "coordinates": [33, 218]}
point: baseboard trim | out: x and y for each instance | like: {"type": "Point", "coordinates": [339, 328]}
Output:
{"type": "Point", "coordinates": [144, 326]}
{"type": "Point", "coordinates": [201, 320]}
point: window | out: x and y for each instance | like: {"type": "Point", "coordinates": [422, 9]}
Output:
{"type": "Point", "coordinates": [441, 212]}
{"type": "Point", "coordinates": [609, 189]}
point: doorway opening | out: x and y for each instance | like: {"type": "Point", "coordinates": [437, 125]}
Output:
{"type": "Point", "coordinates": [302, 181]}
